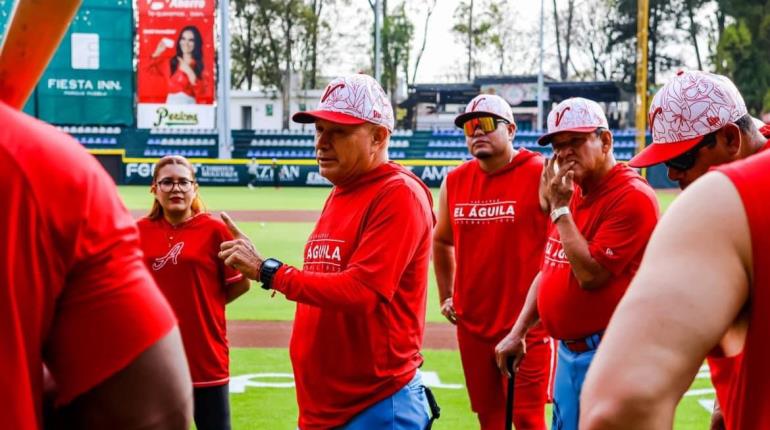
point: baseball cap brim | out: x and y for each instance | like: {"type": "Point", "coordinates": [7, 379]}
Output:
{"type": "Point", "coordinates": [658, 153]}
{"type": "Point", "coordinates": [546, 138]}
{"type": "Point", "coordinates": [460, 120]}
{"type": "Point", "coordinates": [311, 116]}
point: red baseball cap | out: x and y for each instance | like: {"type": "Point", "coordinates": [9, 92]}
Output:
{"type": "Point", "coordinates": [690, 106]}
{"type": "Point", "coordinates": [351, 100]}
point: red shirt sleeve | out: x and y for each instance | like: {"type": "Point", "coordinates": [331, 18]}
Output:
{"type": "Point", "coordinates": [109, 310]}
{"type": "Point", "coordinates": [622, 237]}
{"type": "Point", "coordinates": [392, 233]}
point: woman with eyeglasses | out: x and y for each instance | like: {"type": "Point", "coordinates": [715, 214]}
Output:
{"type": "Point", "coordinates": [180, 242]}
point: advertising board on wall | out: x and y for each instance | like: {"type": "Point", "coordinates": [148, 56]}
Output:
{"type": "Point", "coordinates": [175, 68]}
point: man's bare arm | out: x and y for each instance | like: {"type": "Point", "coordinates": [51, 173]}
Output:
{"type": "Point", "coordinates": [443, 256]}
{"type": "Point", "coordinates": [693, 282]}
{"type": "Point", "coordinates": [153, 392]}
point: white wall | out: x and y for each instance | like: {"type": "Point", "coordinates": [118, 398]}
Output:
{"type": "Point", "coordinates": [260, 103]}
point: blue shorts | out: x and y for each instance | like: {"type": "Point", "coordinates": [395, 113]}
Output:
{"type": "Point", "coordinates": [571, 371]}
{"type": "Point", "coordinates": [406, 409]}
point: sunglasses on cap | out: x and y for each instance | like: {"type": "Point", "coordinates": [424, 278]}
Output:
{"type": "Point", "coordinates": [687, 160]}
{"type": "Point", "coordinates": [487, 124]}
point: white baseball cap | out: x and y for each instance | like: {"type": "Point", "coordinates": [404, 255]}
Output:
{"type": "Point", "coordinates": [574, 114]}
{"type": "Point", "coordinates": [486, 105]}
{"type": "Point", "coordinates": [351, 100]}
{"type": "Point", "coordinates": [690, 106]}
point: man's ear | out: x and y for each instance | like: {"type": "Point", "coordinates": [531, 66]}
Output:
{"type": "Point", "coordinates": [379, 136]}
{"type": "Point", "coordinates": [731, 135]}
{"type": "Point", "coordinates": [511, 130]}
{"type": "Point", "coordinates": [606, 138]}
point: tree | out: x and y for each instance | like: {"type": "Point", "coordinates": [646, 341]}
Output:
{"type": "Point", "coordinates": [742, 51]}
{"type": "Point", "coordinates": [474, 28]}
{"type": "Point", "coordinates": [397, 34]}
{"type": "Point", "coordinates": [244, 33]}
{"type": "Point", "coordinates": [429, 12]}
{"type": "Point", "coordinates": [267, 39]}
{"type": "Point", "coordinates": [566, 35]}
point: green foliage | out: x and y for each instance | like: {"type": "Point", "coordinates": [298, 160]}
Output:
{"type": "Point", "coordinates": [397, 36]}
{"type": "Point", "coordinates": [479, 27]}
{"type": "Point", "coordinates": [742, 53]}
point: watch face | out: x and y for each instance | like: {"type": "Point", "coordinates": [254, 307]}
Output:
{"type": "Point", "coordinates": [271, 264]}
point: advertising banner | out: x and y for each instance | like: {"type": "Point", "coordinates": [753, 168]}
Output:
{"type": "Point", "coordinates": [291, 175]}
{"type": "Point", "coordinates": [175, 70]}
{"type": "Point", "coordinates": [90, 78]}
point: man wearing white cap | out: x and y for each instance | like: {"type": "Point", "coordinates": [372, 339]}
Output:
{"type": "Point", "coordinates": [706, 267]}
{"type": "Point", "coordinates": [603, 213]}
{"type": "Point", "coordinates": [487, 248]}
{"type": "Point", "coordinates": [361, 293]}
{"type": "Point", "coordinates": [698, 120]}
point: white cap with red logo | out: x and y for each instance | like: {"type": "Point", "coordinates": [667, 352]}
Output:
{"type": "Point", "coordinates": [486, 105]}
{"type": "Point", "coordinates": [690, 106]}
{"type": "Point", "coordinates": [351, 100]}
{"type": "Point", "coordinates": [574, 114]}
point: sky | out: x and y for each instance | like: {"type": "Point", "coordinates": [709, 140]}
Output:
{"type": "Point", "coordinates": [442, 49]}
{"type": "Point", "coordinates": [444, 57]}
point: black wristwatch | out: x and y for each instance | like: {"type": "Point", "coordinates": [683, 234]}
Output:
{"type": "Point", "coordinates": [268, 271]}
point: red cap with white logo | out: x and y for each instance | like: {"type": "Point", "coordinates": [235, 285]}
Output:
{"type": "Point", "coordinates": [352, 100]}
{"type": "Point", "coordinates": [690, 106]}
{"type": "Point", "coordinates": [574, 114]}
{"type": "Point", "coordinates": [486, 105]}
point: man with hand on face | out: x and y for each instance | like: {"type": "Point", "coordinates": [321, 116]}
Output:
{"type": "Point", "coordinates": [361, 294]}
{"type": "Point", "coordinates": [603, 213]}
{"type": "Point", "coordinates": [487, 247]}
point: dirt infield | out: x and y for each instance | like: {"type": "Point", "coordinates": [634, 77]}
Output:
{"type": "Point", "coordinates": [276, 334]}
{"type": "Point", "coordinates": [259, 216]}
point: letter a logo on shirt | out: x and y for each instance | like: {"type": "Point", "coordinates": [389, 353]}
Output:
{"type": "Point", "coordinates": [172, 255]}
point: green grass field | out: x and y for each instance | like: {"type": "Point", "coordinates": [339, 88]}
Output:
{"type": "Point", "coordinates": [261, 405]}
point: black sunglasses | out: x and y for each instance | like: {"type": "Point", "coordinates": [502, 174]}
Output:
{"type": "Point", "coordinates": [685, 161]}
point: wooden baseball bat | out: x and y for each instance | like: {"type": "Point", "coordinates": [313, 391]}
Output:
{"type": "Point", "coordinates": [34, 32]}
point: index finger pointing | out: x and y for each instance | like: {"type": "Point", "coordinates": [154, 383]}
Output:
{"type": "Point", "coordinates": [237, 233]}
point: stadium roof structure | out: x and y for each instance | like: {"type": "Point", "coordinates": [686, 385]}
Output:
{"type": "Point", "coordinates": [600, 91]}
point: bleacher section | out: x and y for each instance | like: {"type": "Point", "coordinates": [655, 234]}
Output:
{"type": "Point", "coordinates": [440, 144]}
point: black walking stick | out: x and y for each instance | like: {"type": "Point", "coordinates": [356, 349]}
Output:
{"type": "Point", "coordinates": [509, 396]}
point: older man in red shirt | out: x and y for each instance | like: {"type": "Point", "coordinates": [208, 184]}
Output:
{"type": "Point", "coordinates": [361, 292]}
{"type": "Point", "coordinates": [592, 252]}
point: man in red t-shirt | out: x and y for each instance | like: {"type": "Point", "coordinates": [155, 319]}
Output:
{"type": "Point", "coordinates": [487, 248]}
{"type": "Point", "coordinates": [690, 146]}
{"type": "Point", "coordinates": [76, 302]}
{"type": "Point", "coordinates": [358, 328]}
{"type": "Point", "coordinates": [706, 266]}
{"type": "Point", "coordinates": [603, 214]}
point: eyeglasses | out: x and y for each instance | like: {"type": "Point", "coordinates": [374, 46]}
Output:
{"type": "Point", "coordinates": [488, 124]}
{"type": "Point", "coordinates": [184, 185]}
{"type": "Point", "coordinates": [687, 160]}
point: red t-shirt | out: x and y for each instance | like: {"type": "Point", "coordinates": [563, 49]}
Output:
{"type": "Point", "coordinates": [721, 367]}
{"type": "Point", "coordinates": [377, 233]}
{"type": "Point", "coordinates": [499, 233]}
{"type": "Point", "coordinates": [74, 293]}
{"type": "Point", "coordinates": [617, 219]}
{"type": "Point", "coordinates": [183, 260]}
{"type": "Point", "coordinates": [747, 402]}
